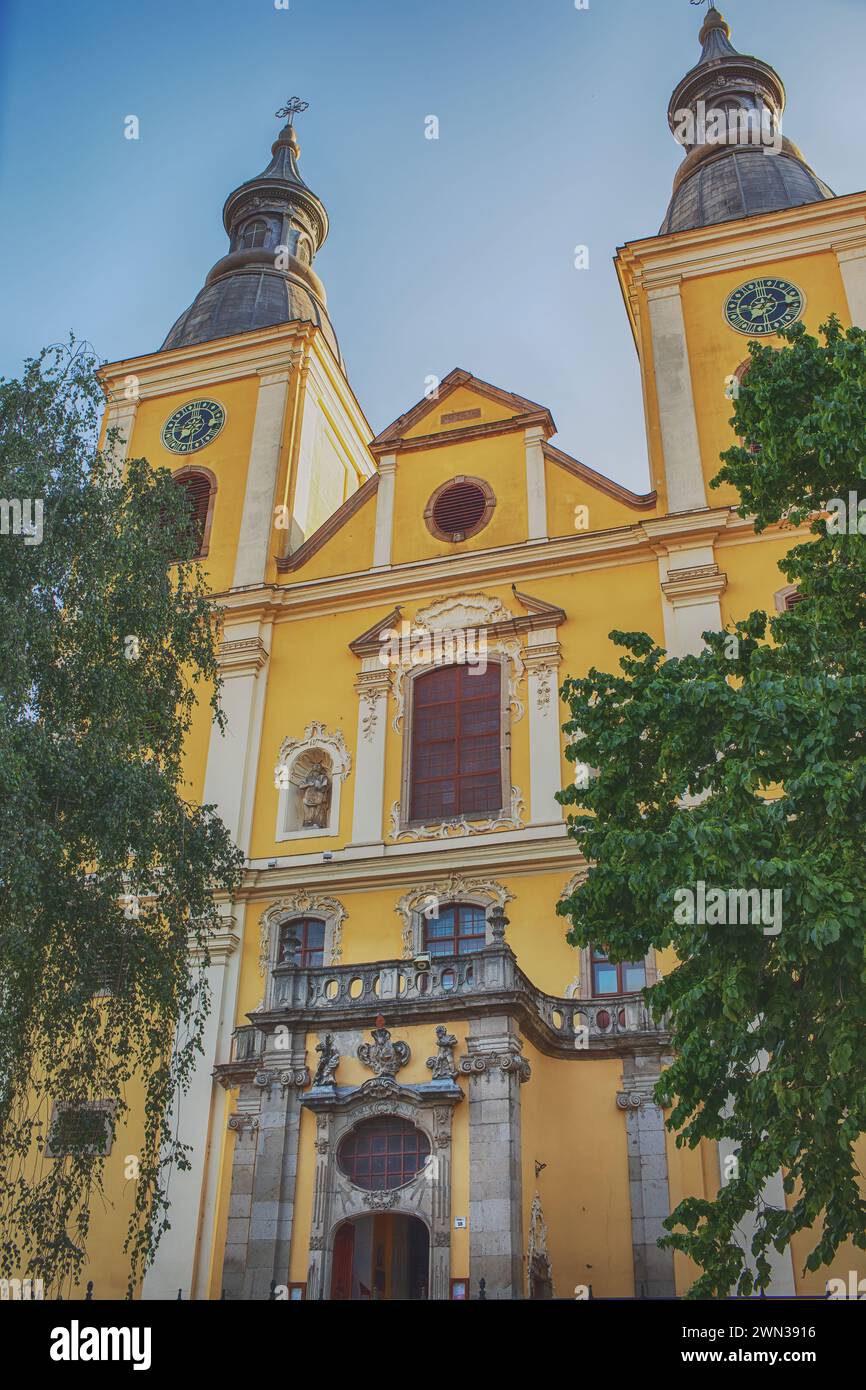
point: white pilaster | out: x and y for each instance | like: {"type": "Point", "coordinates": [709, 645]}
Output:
{"type": "Point", "coordinates": [679, 428]}
{"type": "Point", "coordinates": [233, 756]}
{"type": "Point", "coordinates": [783, 1283]}
{"type": "Point", "coordinates": [536, 488]}
{"type": "Point", "coordinates": [692, 585]}
{"type": "Point", "coordinates": [257, 519]}
{"type": "Point", "coordinates": [385, 510]}
{"type": "Point", "coordinates": [545, 754]}
{"type": "Point", "coordinates": [121, 418]}
{"type": "Point", "coordinates": [852, 263]}
{"type": "Point", "coordinates": [230, 779]}
{"type": "Point", "coordinates": [193, 1119]}
{"type": "Point", "coordinates": [369, 808]}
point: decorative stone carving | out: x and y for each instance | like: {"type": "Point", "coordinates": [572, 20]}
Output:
{"type": "Point", "coordinates": [454, 888]}
{"type": "Point", "coordinates": [381, 1201]}
{"type": "Point", "coordinates": [463, 610]}
{"type": "Point", "coordinates": [298, 1078]}
{"type": "Point", "coordinates": [442, 1065]}
{"type": "Point", "coordinates": [544, 686]}
{"type": "Point", "coordinates": [630, 1100]}
{"type": "Point", "coordinates": [459, 825]}
{"type": "Point", "coordinates": [481, 1062]}
{"type": "Point", "coordinates": [330, 1060]}
{"type": "Point", "coordinates": [383, 1056]}
{"type": "Point", "coordinates": [238, 1123]}
{"type": "Point", "coordinates": [441, 1239]}
{"type": "Point", "coordinates": [303, 905]}
{"type": "Point", "coordinates": [537, 1255]}
{"type": "Point", "coordinates": [498, 923]}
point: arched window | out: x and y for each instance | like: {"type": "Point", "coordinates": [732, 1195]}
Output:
{"type": "Point", "coordinates": [302, 943]}
{"type": "Point", "coordinates": [254, 234]}
{"type": "Point", "coordinates": [383, 1153]}
{"type": "Point", "coordinates": [456, 743]}
{"type": "Point", "coordinates": [199, 487]}
{"type": "Point", "coordinates": [459, 930]}
{"type": "Point", "coordinates": [628, 977]}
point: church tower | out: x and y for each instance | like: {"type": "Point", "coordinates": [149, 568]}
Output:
{"type": "Point", "coordinates": [752, 239]}
{"type": "Point", "coordinates": [248, 403]}
{"type": "Point", "coordinates": [250, 381]}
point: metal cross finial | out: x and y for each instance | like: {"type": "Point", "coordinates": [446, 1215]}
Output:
{"type": "Point", "coordinates": [293, 107]}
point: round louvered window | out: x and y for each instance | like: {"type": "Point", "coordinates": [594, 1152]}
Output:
{"type": "Point", "coordinates": [459, 509]}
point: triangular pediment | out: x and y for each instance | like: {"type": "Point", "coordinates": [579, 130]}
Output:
{"type": "Point", "coordinates": [462, 403]}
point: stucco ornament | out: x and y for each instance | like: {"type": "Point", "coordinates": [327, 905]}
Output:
{"type": "Point", "coordinates": [383, 1056]}
{"type": "Point", "coordinates": [462, 613]}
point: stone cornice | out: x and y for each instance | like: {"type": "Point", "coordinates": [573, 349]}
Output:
{"type": "Point", "coordinates": [449, 574]}
{"type": "Point", "coordinates": [835, 223]}
{"type": "Point", "coordinates": [467, 435]}
{"type": "Point", "coordinates": [697, 581]}
{"type": "Point", "coordinates": [229, 359]}
{"type": "Point", "coordinates": [242, 656]}
{"type": "Point", "coordinates": [514, 853]}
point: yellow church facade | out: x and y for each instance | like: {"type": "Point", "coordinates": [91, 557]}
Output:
{"type": "Point", "coordinates": [412, 1086]}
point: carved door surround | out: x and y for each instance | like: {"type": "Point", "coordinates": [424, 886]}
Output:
{"type": "Point", "coordinates": [428, 1196]}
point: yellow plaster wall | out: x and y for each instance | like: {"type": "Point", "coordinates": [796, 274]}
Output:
{"type": "Point", "coordinates": [463, 398]}
{"type": "Point", "coordinates": [499, 461]}
{"type": "Point", "coordinates": [716, 350]}
{"type": "Point", "coordinates": [570, 1121]}
{"type": "Point", "coordinates": [227, 457]}
{"type": "Point", "coordinates": [566, 492]}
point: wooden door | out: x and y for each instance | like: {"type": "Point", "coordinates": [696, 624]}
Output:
{"type": "Point", "coordinates": [343, 1263]}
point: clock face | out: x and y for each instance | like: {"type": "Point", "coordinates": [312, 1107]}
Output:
{"type": "Point", "coordinates": [762, 307]}
{"type": "Point", "coordinates": [193, 426]}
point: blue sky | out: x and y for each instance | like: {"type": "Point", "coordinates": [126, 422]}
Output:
{"type": "Point", "coordinates": [455, 252]}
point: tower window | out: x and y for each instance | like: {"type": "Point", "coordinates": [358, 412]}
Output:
{"type": "Point", "coordinates": [254, 234]}
{"type": "Point", "coordinates": [199, 488]}
{"type": "Point", "coordinates": [456, 754]}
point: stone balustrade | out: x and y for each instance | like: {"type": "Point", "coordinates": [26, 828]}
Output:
{"type": "Point", "coordinates": [489, 981]}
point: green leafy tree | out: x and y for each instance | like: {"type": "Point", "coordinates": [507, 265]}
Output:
{"type": "Point", "coordinates": [744, 767]}
{"type": "Point", "coordinates": [108, 873]}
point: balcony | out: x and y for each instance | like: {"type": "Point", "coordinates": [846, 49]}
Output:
{"type": "Point", "coordinates": [404, 993]}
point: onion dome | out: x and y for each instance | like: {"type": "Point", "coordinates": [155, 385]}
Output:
{"type": "Point", "coordinates": [726, 112]}
{"type": "Point", "coordinates": [275, 225]}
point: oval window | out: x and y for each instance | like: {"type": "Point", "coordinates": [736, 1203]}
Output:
{"type": "Point", "coordinates": [383, 1153]}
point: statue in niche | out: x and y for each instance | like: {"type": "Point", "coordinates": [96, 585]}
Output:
{"type": "Point", "coordinates": [442, 1065]}
{"type": "Point", "coordinates": [315, 796]}
{"type": "Point", "coordinates": [330, 1059]}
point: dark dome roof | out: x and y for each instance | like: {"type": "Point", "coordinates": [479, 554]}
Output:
{"type": "Point", "coordinates": [726, 113]}
{"type": "Point", "coordinates": [246, 300]}
{"type": "Point", "coordinates": [742, 182]}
